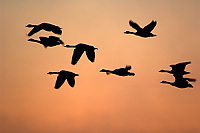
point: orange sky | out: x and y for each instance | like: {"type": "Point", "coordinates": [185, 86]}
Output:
{"type": "Point", "coordinates": [99, 103]}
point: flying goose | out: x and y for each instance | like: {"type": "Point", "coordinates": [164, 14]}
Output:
{"type": "Point", "coordinates": [62, 76]}
{"type": "Point", "coordinates": [178, 70]}
{"type": "Point", "coordinates": [50, 41]}
{"type": "Point", "coordinates": [78, 51]}
{"type": "Point", "coordinates": [142, 32]}
{"type": "Point", "coordinates": [119, 71]}
{"type": "Point", "coordinates": [44, 26]}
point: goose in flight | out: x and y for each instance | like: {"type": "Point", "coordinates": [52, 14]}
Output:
{"type": "Point", "coordinates": [62, 76]}
{"type": "Point", "coordinates": [50, 41]}
{"type": "Point", "coordinates": [119, 71]}
{"type": "Point", "coordinates": [142, 32]}
{"type": "Point", "coordinates": [178, 68]}
{"type": "Point", "coordinates": [180, 82]}
{"type": "Point", "coordinates": [78, 51]}
{"type": "Point", "coordinates": [44, 26]}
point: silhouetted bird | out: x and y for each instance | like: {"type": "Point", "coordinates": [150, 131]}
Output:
{"type": "Point", "coordinates": [62, 76]}
{"type": "Point", "coordinates": [48, 42]}
{"type": "Point", "coordinates": [120, 71]}
{"type": "Point", "coordinates": [180, 82]}
{"type": "Point", "coordinates": [142, 32]}
{"type": "Point", "coordinates": [44, 26]}
{"type": "Point", "coordinates": [78, 51]}
{"type": "Point", "coordinates": [178, 68]}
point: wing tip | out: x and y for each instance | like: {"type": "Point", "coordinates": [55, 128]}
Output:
{"type": "Point", "coordinates": [56, 87]}
{"type": "Point", "coordinates": [73, 63]}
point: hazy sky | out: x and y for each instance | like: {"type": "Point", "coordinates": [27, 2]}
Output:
{"type": "Point", "coordinates": [99, 103]}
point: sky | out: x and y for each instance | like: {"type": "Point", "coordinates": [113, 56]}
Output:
{"type": "Point", "coordinates": [99, 103]}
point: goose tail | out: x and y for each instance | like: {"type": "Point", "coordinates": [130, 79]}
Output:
{"type": "Point", "coordinates": [191, 80]}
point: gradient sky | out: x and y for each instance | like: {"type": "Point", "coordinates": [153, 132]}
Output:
{"type": "Point", "coordinates": [99, 103]}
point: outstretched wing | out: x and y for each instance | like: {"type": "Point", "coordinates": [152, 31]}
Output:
{"type": "Point", "coordinates": [71, 81]}
{"type": "Point", "coordinates": [90, 54]}
{"type": "Point", "coordinates": [134, 25]}
{"type": "Point", "coordinates": [128, 67]}
{"type": "Point", "coordinates": [50, 27]}
{"type": "Point", "coordinates": [57, 30]}
{"type": "Point", "coordinates": [190, 79]}
{"type": "Point", "coordinates": [34, 30]}
{"type": "Point", "coordinates": [150, 26]}
{"type": "Point", "coordinates": [76, 55]}
{"type": "Point", "coordinates": [180, 66]}
{"type": "Point", "coordinates": [60, 80]}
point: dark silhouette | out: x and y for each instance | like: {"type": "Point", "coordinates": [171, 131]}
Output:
{"type": "Point", "coordinates": [78, 51]}
{"type": "Point", "coordinates": [120, 71]}
{"type": "Point", "coordinates": [48, 42]}
{"type": "Point", "coordinates": [178, 68]}
{"type": "Point", "coordinates": [180, 82]}
{"type": "Point", "coordinates": [62, 76]}
{"type": "Point", "coordinates": [44, 26]}
{"type": "Point", "coordinates": [142, 32]}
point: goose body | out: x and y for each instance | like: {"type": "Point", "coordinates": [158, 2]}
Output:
{"type": "Point", "coordinates": [50, 41]}
{"type": "Point", "coordinates": [79, 50]}
{"type": "Point", "coordinates": [142, 32]}
{"type": "Point", "coordinates": [119, 71]}
{"type": "Point", "coordinates": [44, 26]}
{"type": "Point", "coordinates": [62, 76]}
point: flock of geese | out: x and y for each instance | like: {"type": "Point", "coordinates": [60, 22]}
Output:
{"type": "Point", "coordinates": [178, 70]}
